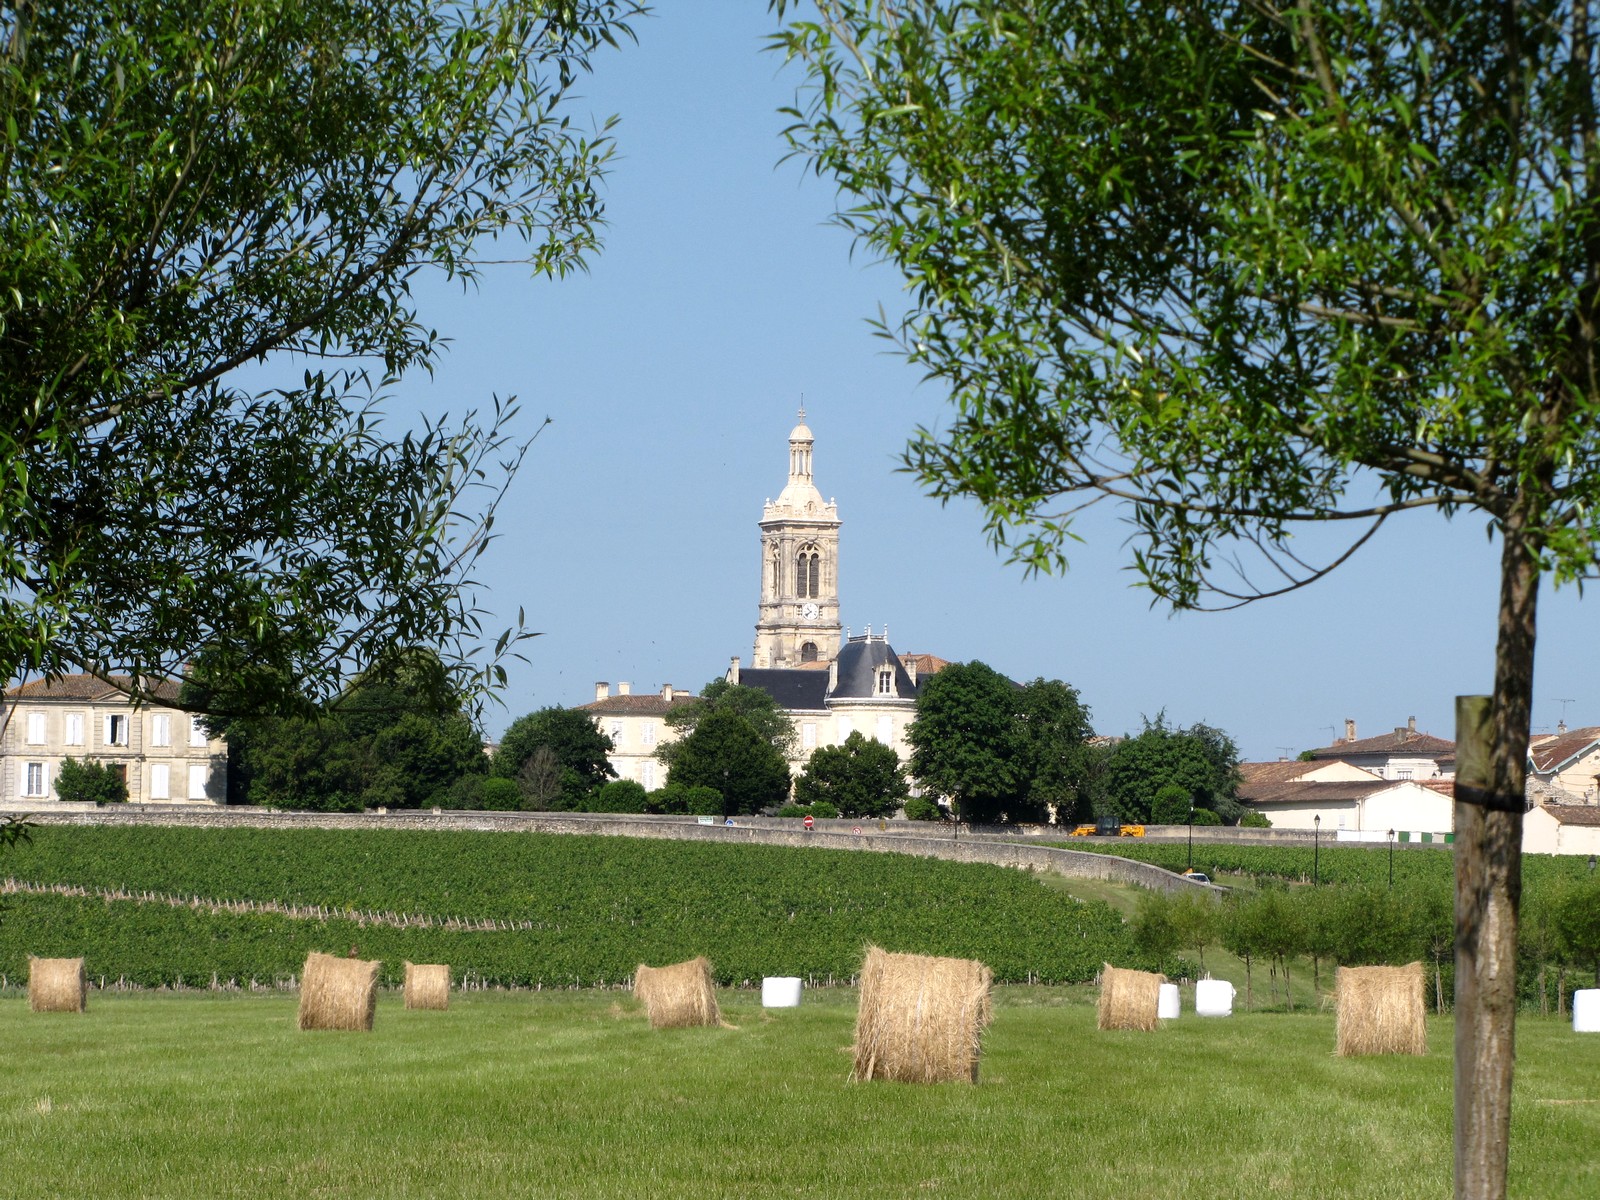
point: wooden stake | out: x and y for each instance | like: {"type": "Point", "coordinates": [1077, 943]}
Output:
{"type": "Point", "coordinates": [1488, 859]}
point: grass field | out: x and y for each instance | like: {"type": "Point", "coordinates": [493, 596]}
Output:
{"type": "Point", "coordinates": [570, 1094]}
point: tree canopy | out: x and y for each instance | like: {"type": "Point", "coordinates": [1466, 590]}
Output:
{"type": "Point", "coordinates": [558, 756]}
{"type": "Point", "coordinates": [1199, 762]}
{"type": "Point", "coordinates": [759, 710]}
{"type": "Point", "coordinates": [90, 782]}
{"type": "Point", "coordinates": [727, 753]}
{"type": "Point", "coordinates": [999, 750]}
{"type": "Point", "coordinates": [861, 777]}
{"type": "Point", "coordinates": [211, 216]}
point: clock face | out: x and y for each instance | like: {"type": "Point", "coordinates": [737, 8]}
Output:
{"type": "Point", "coordinates": [810, 611]}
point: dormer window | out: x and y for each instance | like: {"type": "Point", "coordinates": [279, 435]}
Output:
{"type": "Point", "coordinates": [886, 681]}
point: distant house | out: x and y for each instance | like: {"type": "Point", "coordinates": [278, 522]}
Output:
{"type": "Point", "coordinates": [1404, 754]}
{"type": "Point", "coordinates": [637, 726]}
{"type": "Point", "coordinates": [1348, 799]}
{"type": "Point", "coordinates": [1568, 760]}
{"type": "Point", "coordinates": [1562, 829]}
{"type": "Point", "coordinates": [163, 754]}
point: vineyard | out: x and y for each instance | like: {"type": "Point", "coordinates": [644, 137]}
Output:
{"type": "Point", "coordinates": [173, 905]}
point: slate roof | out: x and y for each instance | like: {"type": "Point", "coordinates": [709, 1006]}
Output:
{"type": "Point", "coordinates": [84, 688]}
{"type": "Point", "coordinates": [790, 687]}
{"type": "Point", "coordinates": [859, 662]}
{"type": "Point", "coordinates": [1399, 741]}
{"type": "Point", "coordinates": [1554, 753]}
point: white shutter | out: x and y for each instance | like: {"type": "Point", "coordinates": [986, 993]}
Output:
{"type": "Point", "coordinates": [160, 781]}
{"type": "Point", "coordinates": [197, 732]}
{"type": "Point", "coordinates": [36, 729]}
{"type": "Point", "coordinates": [160, 729]}
{"type": "Point", "coordinates": [74, 729]}
{"type": "Point", "coordinates": [197, 780]}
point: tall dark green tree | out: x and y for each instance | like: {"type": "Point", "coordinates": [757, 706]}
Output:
{"type": "Point", "coordinates": [966, 742]}
{"type": "Point", "coordinates": [90, 782]}
{"type": "Point", "coordinates": [860, 777]}
{"type": "Point", "coordinates": [558, 756]}
{"type": "Point", "coordinates": [727, 753]}
{"type": "Point", "coordinates": [212, 213]}
{"type": "Point", "coordinates": [759, 710]}
{"type": "Point", "coordinates": [1242, 268]}
{"type": "Point", "coordinates": [1200, 761]}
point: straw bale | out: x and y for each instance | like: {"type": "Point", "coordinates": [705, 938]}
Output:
{"type": "Point", "coordinates": [57, 985]}
{"type": "Point", "coordinates": [427, 985]}
{"type": "Point", "coordinates": [679, 995]}
{"type": "Point", "coordinates": [1381, 1010]}
{"type": "Point", "coordinates": [1129, 999]}
{"type": "Point", "coordinates": [338, 993]}
{"type": "Point", "coordinates": [921, 1019]}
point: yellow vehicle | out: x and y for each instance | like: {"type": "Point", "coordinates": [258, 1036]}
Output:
{"type": "Point", "coordinates": [1110, 828]}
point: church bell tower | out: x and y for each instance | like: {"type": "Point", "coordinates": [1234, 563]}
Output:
{"type": "Point", "coordinates": [799, 613]}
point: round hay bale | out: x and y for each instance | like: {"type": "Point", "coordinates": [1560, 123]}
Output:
{"type": "Point", "coordinates": [1381, 1011]}
{"type": "Point", "coordinates": [338, 993]}
{"type": "Point", "coordinates": [921, 1019]}
{"type": "Point", "coordinates": [678, 996]}
{"type": "Point", "coordinates": [57, 985]}
{"type": "Point", "coordinates": [1129, 999]}
{"type": "Point", "coordinates": [427, 985]}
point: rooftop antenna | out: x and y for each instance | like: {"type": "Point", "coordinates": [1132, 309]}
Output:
{"type": "Point", "coordinates": [1563, 701]}
{"type": "Point", "coordinates": [1284, 750]}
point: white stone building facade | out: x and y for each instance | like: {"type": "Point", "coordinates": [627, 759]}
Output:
{"type": "Point", "coordinates": [163, 753]}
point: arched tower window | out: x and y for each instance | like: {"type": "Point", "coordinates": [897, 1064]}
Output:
{"type": "Point", "coordinates": [808, 652]}
{"type": "Point", "coordinates": [808, 573]}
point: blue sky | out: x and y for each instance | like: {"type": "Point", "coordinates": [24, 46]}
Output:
{"type": "Point", "coordinates": [672, 373]}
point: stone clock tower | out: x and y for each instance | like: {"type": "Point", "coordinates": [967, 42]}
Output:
{"type": "Point", "coordinates": [799, 614]}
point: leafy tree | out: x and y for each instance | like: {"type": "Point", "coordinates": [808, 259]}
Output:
{"type": "Point", "coordinates": [758, 709]}
{"type": "Point", "coordinates": [90, 782]}
{"type": "Point", "coordinates": [390, 741]}
{"type": "Point", "coordinates": [557, 755]}
{"type": "Point", "coordinates": [193, 188]}
{"type": "Point", "coordinates": [727, 753]}
{"type": "Point", "coordinates": [1000, 751]}
{"type": "Point", "coordinates": [920, 808]}
{"type": "Point", "coordinates": [1244, 267]}
{"type": "Point", "coordinates": [1200, 761]}
{"type": "Point", "coordinates": [860, 778]}
{"type": "Point", "coordinates": [966, 743]}
{"type": "Point", "coordinates": [1576, 918]}
{"type": "Point", "coordinates": [1055, 736]}
{"type": "Point", "coordinates": [1197, 923]}
{"type": "Point", "coordinates": [1155, 932]}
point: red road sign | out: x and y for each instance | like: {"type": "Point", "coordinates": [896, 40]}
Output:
{"type": "Point", "coordinates": [810, 822]}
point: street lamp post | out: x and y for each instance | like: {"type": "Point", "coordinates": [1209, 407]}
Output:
{"type": "Point", "coordinates": [1391, 860]}
{"type": "Point", "coordinates": [1316, 845]}
{"type": "Point", "coordinates": [1191, 835]}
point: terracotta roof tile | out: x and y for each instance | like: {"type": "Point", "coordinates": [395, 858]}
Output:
{"type": "Point", "coordinates": [83, 687]}
{"type": "Point", "coordinates": [1399, 741]}
{"type": "Point", "coordinates": [1262, 773]}
{"type": "Point", "coordinates": [651, 704]}
{"type": "Point", "coordinates": [1301, 793]}
{"type": "Point", "coordinates": [1575, 814]}
{"type": "Point", "coordinates": [1550, 754]}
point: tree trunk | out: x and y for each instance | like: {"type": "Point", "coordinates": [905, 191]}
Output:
{"type": "Point", "coordinates": [1492, 747]}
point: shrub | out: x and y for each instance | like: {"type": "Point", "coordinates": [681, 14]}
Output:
{"type": "Point", "coordinates": [1171, 806]}
{"type": "Point", "coordinates": [619, 796]}
{"type": "Point", "coordinates": [920, 808]}
{"type": "Point", "coordinates": [704, 801]}
{"type": "Point", "coordinates": [824, 809]}
{"type": "Point", "coordinates": [500, 795]}
{"type": "Point", "coordinates": [1254, 820]}
{"type": "Point", "coordinates": [1204, 816]}
{"type": "Point", "coordinates": [794, 810]}
{"type": "Point", "coordinates": [671, 798]}
{"type": "Point", "coordinates": [90, 783]}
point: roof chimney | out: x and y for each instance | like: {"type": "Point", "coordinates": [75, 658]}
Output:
{"type": "Point", "coordinates": [909, 662]}
{"type": "Point", "coordinates": [666, 692]}
{"type": "Point", "coordinates": [1411, 724]}
{"type": "Point", "coordinates": [602, 690]}
{"type": "Point", "coordinates": [624, 688]}
{"type": "Point", "coordinates": [1561, 726]}
{"type": "Point", "coordinates": [733, 670]}
{"type": "Point", "coordinates": [1349, 730]}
